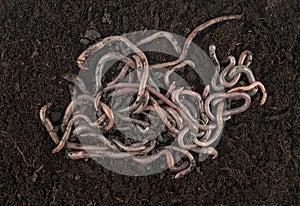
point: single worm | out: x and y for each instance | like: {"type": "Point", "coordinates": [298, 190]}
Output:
{"type": "Point", "coordinates": [77, 146]}
{"type": "Point", "coordinates": [128, 148]}
{"type": "Point", "coordinates": [64, 138]}
{"type": "Point", "coordinates": [169, 158]}
{"type": "Point", "coordinates": [213, 57]}
{"type": "Point", "coordinates": [192, 35]}
{"type": "Point", "coordinates": [48, 124]}
{"type": "Point", "coordinates": [250, 87]}
{"type": "Point", "coordinates": [191, 160]}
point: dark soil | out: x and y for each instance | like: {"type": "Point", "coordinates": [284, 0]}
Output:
{"type": "Point", "coordinates": [258, 162]}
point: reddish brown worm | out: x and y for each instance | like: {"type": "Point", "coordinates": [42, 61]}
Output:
{"type": "Point", "coordinates": [169, 158]}
{"type": "Point", "coordinates": [147, 149]}
{"type": "Point", "coordinates": [64, 138]}
{"type": "Point", "coordinates": [77, 146]}
{"type": "Point", "coordinates": [251, 87]}
{"type": "Point", "coordinates": [161, 34]}
{"type": "Point", "coordinates": [213, 57]}
{"type": "Point", "coordinates": [192, 35]}
{"type": "Point", "coordinates": [206, 91]}
{"type": "Point", "coordinates": [94, 48]}
{"type": "Point", "coordinates": [98, 154]}
{"type": "Point", "coordinates": [144, 103]}
{"type": "Point", "coordinates": [191, 160]}
{"type": "Point", "coordinates": [48, 124]}
{"type": "Point", "coordinates": [217, 132]}
{"type": "Point", "coordinates": [129, 148]}
{"type": "Point", "coordinates": [231, 95]}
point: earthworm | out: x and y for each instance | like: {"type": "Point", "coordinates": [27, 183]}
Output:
{"type": "Point", "coordinates": [161, 34]}
{"type": "Point", "coordinates": [250, 87]}
{"type": "Point", "coordinates": [230, 95]}
{"type": "Point", "coordinates": [48, 124]}
{"type": "Point", "coordinates": [217, 131]}
{"type": "Point", "coordinates": [128, 148]}
{"type": "Point", "coordinates": [213, 57]}
{"type": "Point", "coordinates": [191, 160]}
{"type": "Point", "coordinates": [64, 138]}
{"type": "Point", "coordinates": [169, 158]}
{"type": "Point", "coordinates": [192, 35]}
{"type": "Point", "coordinates": [77, 146]}
{"type": "Point", "coordinates": [245, 55]}
{"type": "Point", "coordinates": [246, 70]}
{"type": "Point", "coordinates": [206, 91]}
{"type": "Point", "coordinates": [147, 149]}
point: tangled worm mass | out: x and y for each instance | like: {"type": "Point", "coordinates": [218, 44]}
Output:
{"type": "Point", "coordinates": [133, 102]}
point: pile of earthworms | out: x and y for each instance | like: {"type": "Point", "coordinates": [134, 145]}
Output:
{"type": "Point", "coordinates": [191, 122]}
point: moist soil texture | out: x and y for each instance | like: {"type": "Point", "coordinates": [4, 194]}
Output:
{"type": "Point", "coordinates": [258, 162]}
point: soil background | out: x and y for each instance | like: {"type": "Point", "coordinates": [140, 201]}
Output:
{"type": "Point", "coordinates": [258, 162]}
